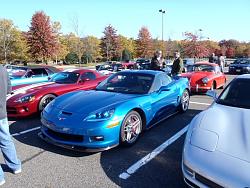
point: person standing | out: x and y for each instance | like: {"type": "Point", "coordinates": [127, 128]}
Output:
{"type": "Point", "coordinates": [221, 62]}
{"type": "Point", "coordinates": [6, 144]}
{"type": "Point", "coordinates": [177, 67]}
{"type": "Point", "coordinates": [212, 58]}
{"type": "Point", "coordinates": [157, 61]}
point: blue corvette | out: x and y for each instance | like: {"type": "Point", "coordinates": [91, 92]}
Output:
{"type": "Point", "coordinates": [120, 108]}
{"type": "Point", "coordinates": [20, 75]}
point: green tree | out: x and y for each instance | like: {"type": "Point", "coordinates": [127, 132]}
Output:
{"type": "Point", "coordinates": [8, 34]}
{"type": "Point", "coordinates": [72, 58]}
{"type": "Point", "coordinates": [91, 48]}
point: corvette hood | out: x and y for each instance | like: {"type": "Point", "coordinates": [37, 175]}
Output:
{"type": "Point", "coordinates": [85, 102]}
{"type": "Point", "coordinates": [233, 128]}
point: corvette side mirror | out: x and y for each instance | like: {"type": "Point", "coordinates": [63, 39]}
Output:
{"type": "Point", "coordinates": [212, 94]}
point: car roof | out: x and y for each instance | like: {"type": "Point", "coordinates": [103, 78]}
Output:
{"type": "Point", "coordinates": [245, 76]}
{"type": "Point", "coordinates": [206, 63]}
{"type": "Point", "coordinates": [79, 70]}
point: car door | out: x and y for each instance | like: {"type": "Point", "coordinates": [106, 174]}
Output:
{"type": "Point", "coordinates": [87, 81]}
{"type": "Point", "coordinates": [219, 76]}
{"type": "Point", "coordinates": [163, 102]}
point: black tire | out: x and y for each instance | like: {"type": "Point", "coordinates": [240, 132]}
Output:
{"type": "Point", "coordinates": [124, 137]}
{"type": "Point", "coordinates": [184, 103]}
{"type": "Point", "coordinates": [213, 87]}
{"type": "Point", "coordinates": [45, 100]}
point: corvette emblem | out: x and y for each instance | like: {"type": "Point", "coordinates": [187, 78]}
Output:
{"type": "Point", "coordinates": [61, 119]}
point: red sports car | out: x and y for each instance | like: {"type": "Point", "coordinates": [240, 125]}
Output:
{"type": "Point", "coordinates": [33, 98]}
{"type": "Point", "coordinates": [205, 76]}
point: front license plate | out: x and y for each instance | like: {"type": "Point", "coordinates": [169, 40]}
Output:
{"type": "Point", "coordinates": [238, 70]}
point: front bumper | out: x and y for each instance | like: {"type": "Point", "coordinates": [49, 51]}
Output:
{"type": "Point", "coordinates": [74, 147]}
{"type": "Point", "coordinates": [213, 169]}
{"type": "Point", "coordinates": [22, 110]}
{"type": "Point", "coordinates": [199, 88]}
{"type": "Point", "coordinates": [79, 135]}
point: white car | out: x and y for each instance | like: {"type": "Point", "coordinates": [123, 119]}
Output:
{"type": "Point", "coordinates": [217, 146]}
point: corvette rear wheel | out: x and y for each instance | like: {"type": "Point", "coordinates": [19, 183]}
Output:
{"type": "Point", "coordinates": [45, 101]}
{"type": "Point", "coordinates": [184, 101]}
{"type": "Point", "coordinates": [131, 128]}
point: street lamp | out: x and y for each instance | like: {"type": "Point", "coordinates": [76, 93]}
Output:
{"type": "Point", "coordinates": [162, 13]}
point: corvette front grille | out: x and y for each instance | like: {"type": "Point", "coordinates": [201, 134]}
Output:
{"type": "Point", "coordinates": [64, 136]}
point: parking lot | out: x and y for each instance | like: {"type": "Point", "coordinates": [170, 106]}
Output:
{"type": "Point", "coordinates": [154, 161]}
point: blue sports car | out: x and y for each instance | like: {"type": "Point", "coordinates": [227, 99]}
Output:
{"type": "Point", "coordinates": [120, 108]}
{"type": "Point", "coordinates": [20, 75]}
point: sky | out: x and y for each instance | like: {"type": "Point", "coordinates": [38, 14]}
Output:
{"type": "Point", "coordinates": [216, 19]}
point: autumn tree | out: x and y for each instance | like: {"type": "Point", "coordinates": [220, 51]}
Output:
{"type": "Point", "coordinates": [91, 49]}
{"type": "Point", "coordinates": [144, 43]}
{"type": "Point", "coordinates": [126, 45]}
{"type": "Point", "coordinates": [109, 44]}
{"type": "Point", "coordinates": [41, 37]}
{"type": "Point", "coordinates": [194, 47]}
{"type": "Point", "coordinates": [230, 52]}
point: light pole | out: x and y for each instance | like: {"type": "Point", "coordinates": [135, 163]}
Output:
{"type": "Point", "coordinates": [162, 28]}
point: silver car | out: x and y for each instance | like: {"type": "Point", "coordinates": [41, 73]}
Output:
{"type": "Point", "coordinates": [217, 146]}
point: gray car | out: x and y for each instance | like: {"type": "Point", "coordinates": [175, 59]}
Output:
{"type": "Point", "coordinates": [217, 147]}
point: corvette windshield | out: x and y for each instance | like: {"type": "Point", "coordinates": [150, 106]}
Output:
{"type": "Point", "coordinates": [65, 78]}
{"type": "Point", "coordinates": [204, 67]}
{"type": "Point", "coordinates": [236, 94]}
{"type": "Point", "coordinates": [133, 83]}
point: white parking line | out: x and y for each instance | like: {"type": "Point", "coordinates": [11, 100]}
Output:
{"type": "Point", "coordinates": [131, 170]}
{"type": "Point", "coordinates": [201, 103]}
{"type": "Point", "coordinates": [26, 131]}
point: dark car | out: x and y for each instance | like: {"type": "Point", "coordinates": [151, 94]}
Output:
{"type": "Point", "coordinates": [240, 66]}
{"type": "Point", "coordinates": [143, 64]}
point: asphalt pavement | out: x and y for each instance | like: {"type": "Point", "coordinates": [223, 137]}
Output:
{"type": "Point", "coordinates": [154, 161]}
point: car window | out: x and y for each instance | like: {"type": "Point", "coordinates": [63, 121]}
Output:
{"type": "Point", "coordinates": [49, 71]}
{"type": "Point", "coordinates": [236, 94]}
{"type": "Point", "coordinates": [36, 73]}
{"type": "Point", "coordinates": [161, 80]}
{"type": "Point", "coordinates": [88, 75]}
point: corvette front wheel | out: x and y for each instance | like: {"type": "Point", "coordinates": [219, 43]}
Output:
{"type": "Point", "coordinates": [131, 128]}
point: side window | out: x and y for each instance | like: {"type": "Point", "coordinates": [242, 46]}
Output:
{"type": "Point", "coordinates": [161, 80]}
{"type": "Point", "coordinates": [38, 72]}
{"type": "Point", "coordinates": [49, 71]}
{"type": "Point", "coordinates": [88, 75]}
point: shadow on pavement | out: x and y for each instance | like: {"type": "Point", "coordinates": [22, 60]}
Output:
{"type": "Point", "coordinates": [162, 171]}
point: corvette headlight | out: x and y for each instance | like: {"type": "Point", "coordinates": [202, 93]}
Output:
{"type": "Point", "coordinates": [100, 116]}
{"type": "Point", "coordinates": [204, 139]}
{"type": "Point", "coordinates": [28, 98]}
{"type": "Point", "coordinates": [205, 80]}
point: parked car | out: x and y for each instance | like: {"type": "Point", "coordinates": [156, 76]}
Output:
{"type": "Point", "coordinates": [240, 66]}
{"type": "Point", "coordinates": [205, 76]}
{"type": "Point", "coordinates": [216, 150]}
{"type": "Point", "coordinates": [31, 99]}
{"type": "Point", "coordinates": [120, 108]}
{"type": "Point", "coordinates": [107, 63]}
{"type": "Point", "coordinates": [188, 65]}
{"type": "Point", "coordinates": [20, 75]}
{"type": "Point", "coordinates": [143, 64]}
{"type": "Point", "coordinates": [110, 69]}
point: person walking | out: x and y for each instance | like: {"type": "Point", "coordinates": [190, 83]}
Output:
{"type": "Point", "coordinates": [177, 67]}
{"type": "Point", "coordinates": [6, 144]}
{"type": "Point", "coordinates": [157, 61]}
